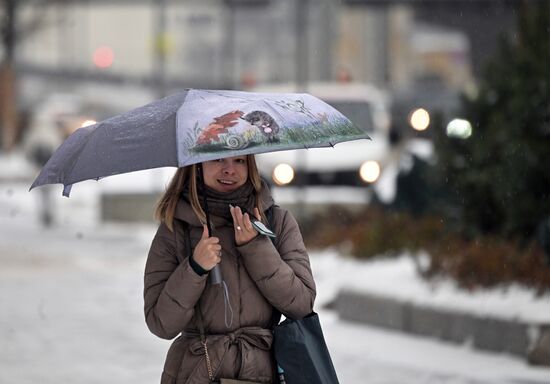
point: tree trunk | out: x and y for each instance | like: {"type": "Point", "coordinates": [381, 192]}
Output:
{"type": "Point", "coordinates": [8, 107]}
{"type": "Point", "coordinates": [8, 98]}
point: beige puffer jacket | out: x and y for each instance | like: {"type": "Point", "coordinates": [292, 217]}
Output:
{"type": "Point", "coordinates": [259, 276]}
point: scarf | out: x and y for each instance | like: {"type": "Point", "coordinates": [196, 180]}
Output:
{"type": "Point", "coordinates": [218, 202]}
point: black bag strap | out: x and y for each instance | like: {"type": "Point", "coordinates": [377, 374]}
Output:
{"type": "Point", "coordinates": [276, 315]}
{"type": "Point", "coordinates": [269, 217]}
{"type": "Point", "coordinates": [200, 321]}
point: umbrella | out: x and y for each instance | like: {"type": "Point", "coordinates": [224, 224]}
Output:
{"type": "Point", "coordinates": [193, 126]}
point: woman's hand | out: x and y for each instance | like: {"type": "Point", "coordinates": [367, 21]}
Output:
{"type": "Point", "coordinates": [244, 231]}
{"type": "Point", "coordinates": [208, 252]}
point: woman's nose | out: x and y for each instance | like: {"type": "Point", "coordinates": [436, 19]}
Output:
{"type": "Point", "coordinates": [228, 169]}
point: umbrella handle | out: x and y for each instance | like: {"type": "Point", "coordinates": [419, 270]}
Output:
{"type": "Point", "coordinates": [215, 275]}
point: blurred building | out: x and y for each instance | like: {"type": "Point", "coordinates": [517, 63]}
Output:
{"type": "Point", "coordinates": [136, 50]}
{"type": "Point", "coordinates": [231, 43]}
{"type": "Point", "coordinates": [208, 43]}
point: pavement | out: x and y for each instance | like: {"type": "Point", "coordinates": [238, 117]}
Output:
{"type": "Point", "coordinates": [530, 341]}
{"type": "Point", "coordinates": [71, 299]}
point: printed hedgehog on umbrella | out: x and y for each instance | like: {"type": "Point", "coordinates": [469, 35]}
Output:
{"type": "Point", "coordinates": [218, 130]}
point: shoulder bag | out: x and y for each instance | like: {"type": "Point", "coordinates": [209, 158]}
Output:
{"type": "Point", "coordinates": [301, 352]}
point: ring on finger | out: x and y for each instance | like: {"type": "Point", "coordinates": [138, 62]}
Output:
{"type": "Point", "coordinates": [239, 228]}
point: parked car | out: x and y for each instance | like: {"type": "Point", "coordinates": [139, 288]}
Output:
{"type": "Point", "coordinates": [57, 115]}
{"type": "Point", "coordinates": [427, 98]}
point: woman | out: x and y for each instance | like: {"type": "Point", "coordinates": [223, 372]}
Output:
{"type": "Point", "coordinates": [259, 275]}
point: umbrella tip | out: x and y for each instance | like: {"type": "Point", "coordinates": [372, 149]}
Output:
{"type": "Point", "coordinates": [67, 190]}
{"type": "Point", "coordinates": [34, 185]}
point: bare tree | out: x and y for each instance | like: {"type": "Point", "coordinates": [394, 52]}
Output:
{"type": "Point", "coordinates": [12, 31]}
{"type": "Point", "coordinates": [8, 104]}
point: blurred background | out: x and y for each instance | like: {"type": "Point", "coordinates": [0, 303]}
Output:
{"type": "Point", "coordinates": [454, 186]}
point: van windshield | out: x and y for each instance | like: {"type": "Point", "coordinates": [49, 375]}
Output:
{"type": "Point", "coordinates": [358, 112]}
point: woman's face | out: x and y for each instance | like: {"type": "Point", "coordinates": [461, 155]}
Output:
{"type": "Point", "coordinates": [225, 175]}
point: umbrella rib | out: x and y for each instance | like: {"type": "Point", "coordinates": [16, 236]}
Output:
{"type": "Point", "coordinates": [226, 96]}
{"type": "Point", "coordinates": [80, 154]}
{"type": "Point", "coordinates": [273, 110]}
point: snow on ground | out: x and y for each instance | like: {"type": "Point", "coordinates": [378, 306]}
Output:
{"type": "Point", "coordinates": [71, 299]}
{"type": "Point", "coordinates": [397, 278]}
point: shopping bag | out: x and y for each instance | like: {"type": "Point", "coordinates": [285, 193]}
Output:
{"type": "Point", "coordinates": [301, 352]}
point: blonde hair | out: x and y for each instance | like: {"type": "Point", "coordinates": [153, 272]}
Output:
{"type": "Point", "coordinates": [166, 207]}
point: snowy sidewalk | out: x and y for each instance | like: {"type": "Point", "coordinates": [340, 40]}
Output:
{"type": "Point", "coordinates": [389, 293]}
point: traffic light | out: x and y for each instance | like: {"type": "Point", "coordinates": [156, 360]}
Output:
{"type": "Point", "coordinates": [103, 57]}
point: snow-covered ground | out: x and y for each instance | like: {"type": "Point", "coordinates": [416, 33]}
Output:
{"type": "Point", "coordinates": [71, 307]}
{"type": "Point", "coordinates": [397, 278]}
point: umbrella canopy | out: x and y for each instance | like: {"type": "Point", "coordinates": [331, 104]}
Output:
{"type": "Point", "coordinates": [195, 126]}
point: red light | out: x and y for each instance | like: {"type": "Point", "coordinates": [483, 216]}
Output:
{"type": "Point", "coordinates": [103, 57]}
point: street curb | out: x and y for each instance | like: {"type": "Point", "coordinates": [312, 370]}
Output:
{"type": "Point", "coordinates": [129, 207]}
{"type": "Point", "coordinates": [530, 341]}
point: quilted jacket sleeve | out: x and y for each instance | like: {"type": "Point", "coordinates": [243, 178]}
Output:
{"type": "Point", "coordinates": [171, 289]}
{"type": "Point", "coordinates": [282, 274]}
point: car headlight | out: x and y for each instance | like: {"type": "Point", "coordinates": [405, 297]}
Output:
{"type": "Point", "coordinates": [459, 128]}
{"type": "Point", "coordinates": [419, 119]}
{"type": "Point", "coordinates": [283, 174]}
{"type": "Point", "coordinates": [369, 171]}
{"type": "Point", "coordinates": [87, 123]}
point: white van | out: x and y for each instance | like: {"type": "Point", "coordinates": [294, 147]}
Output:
{"type": "Point", "coordinates": [355, 163]}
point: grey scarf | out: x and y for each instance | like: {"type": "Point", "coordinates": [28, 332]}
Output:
{"type": "Point", "coordinates": [218, 202]}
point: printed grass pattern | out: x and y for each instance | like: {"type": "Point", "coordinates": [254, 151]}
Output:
{"type": "Point", "coordinates": [306, 135]}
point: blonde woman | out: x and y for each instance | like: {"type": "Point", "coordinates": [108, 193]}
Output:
{"type": "Point", "coordinates": [224, 329]}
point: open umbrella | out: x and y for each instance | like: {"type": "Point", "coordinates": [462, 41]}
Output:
{"type": "Point", "coordinates": [195, 126]}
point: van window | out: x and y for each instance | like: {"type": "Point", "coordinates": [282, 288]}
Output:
{"type": "Point", "coordinates": [358, 112]}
